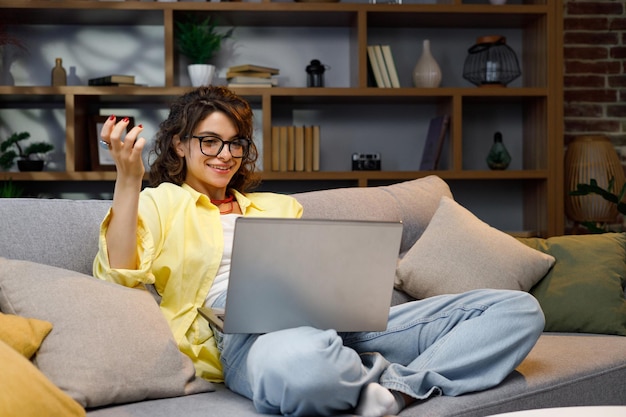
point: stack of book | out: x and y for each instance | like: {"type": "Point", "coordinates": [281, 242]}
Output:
{"type": "Point", "coordinates": [295, 148]}
{"type": "Point", "coordinates": [250, 75]}
{"type": "Point", "coordinates": [383, 66]}
{"type": "Point", "coordinates": [114, 80]}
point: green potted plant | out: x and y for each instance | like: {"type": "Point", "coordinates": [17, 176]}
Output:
{"type": "Point", "coordinates": [198, 40]}
{"type": "Point", "coordinates": [29, 158]}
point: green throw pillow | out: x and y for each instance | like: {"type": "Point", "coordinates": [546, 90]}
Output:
{"type": "Point", "coordinates": [584, 291]}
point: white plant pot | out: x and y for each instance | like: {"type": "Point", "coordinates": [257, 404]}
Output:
{"type": "Point", "coordinates": [201, 74]}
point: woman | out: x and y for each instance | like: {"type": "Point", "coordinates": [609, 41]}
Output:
{"type": "Point", "coordinates": [178, 236]}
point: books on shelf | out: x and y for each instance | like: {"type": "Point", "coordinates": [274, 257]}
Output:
{"type": "Point", "coordinates": [251, 76]}
{"type": "Point", "coordinates": [253, 80]}
{"type": "Point", "coordinates": [295, 148]}
{"type": "Point", "coordinates": [383, 66]}
{"type": "Point", "coordinates": [437, 131]}
{"type": "Point", "coordinates": [115, 79]}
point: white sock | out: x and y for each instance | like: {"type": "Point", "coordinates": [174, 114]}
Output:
{"type": "Point", "coordinates": [377, 401]}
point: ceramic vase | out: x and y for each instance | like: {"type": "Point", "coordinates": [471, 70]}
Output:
{"type": "Point", "coordinates": [498, 157]}
{"type": "Point", "coordinates": [201, 74]}
{"type": "Point", "coordinates": [427, 72]}
{"type": "Point", "coordinates": [586, 158]}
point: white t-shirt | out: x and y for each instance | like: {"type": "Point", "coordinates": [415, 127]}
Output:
{"type": "Point", "coordinates": [220, 284]}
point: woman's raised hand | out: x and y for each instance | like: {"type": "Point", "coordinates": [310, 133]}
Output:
{"type": "Point", "coordinates": [121, 235]}
{"type": "Point", "coordinates": [127, 153]}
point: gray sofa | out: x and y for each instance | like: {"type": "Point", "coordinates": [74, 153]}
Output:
{"type": "Point", "coordinates": [564, 369]}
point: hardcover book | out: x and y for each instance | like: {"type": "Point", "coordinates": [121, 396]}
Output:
{"type": "Point", "coordinates": [437, 130]}
{"type": "Point", "coordinates": [390, 65]}
{"type": "Point", "coordinates": [252, 80]}
{"type": "Point", "coordinates": [374, 64]}
{"type": "Point", "coordinates": [112, 80]}
{"type": "Point", "coordinates": [381, 64]}
{"type": "Point", "coordinates": [249, 85]}
{"type": "Point", "coordinates": [255, 74]}
{"type": "Point", "coordinates": [252, 67]}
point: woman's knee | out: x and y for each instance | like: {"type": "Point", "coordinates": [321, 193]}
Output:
{"type": "Point", "coordinates": [285, 353]}
{"type": "Point", "coordinates": [291, 369]}
{"type": "Point", "coordinates": [531, 313]}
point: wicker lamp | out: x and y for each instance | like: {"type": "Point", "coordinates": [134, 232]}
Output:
{"type": "Point", "coordinates": [590, 157]}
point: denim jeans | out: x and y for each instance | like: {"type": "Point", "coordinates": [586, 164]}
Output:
{"type": "Point", "coordinates": [445, 345]}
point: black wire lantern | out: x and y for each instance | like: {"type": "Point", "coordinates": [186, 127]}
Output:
{"type": "Point", "coordinates": [491, 63]}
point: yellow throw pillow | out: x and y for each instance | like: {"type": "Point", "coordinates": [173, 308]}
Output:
{"type": "Point", "coordinates": [26, 392]}
{"type": "Point", "coordinates": [23, 334]}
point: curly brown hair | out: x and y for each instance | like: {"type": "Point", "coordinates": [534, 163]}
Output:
{"type": "Point", "coordinates": [185, 113]}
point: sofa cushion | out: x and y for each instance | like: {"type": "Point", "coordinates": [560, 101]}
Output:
{"type": "Point", "coordinates": [26, 392]}
{"type": "Point", "coordinates": [109, 344]}
{"type": "Point", "coordinates": [458, 252]}
{"type": "Point", "coordinates": [411, 202]}
{"type": "Point", "coordinates": [584, 292]}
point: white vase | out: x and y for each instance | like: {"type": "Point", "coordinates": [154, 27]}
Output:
{"type": "Point", "coordinates": [426, 72]}
{"type": "Point", "coordinates": [201, 74]}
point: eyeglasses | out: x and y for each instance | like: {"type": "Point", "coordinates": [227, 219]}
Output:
{"type": "Point", "coordinates": [212, 146]}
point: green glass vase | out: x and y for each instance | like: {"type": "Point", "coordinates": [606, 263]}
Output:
{"type": "Point", "coordinates": [498, 157]}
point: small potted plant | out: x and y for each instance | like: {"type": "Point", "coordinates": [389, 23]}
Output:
{"type": "Point", "coordinates": [29, 158]}
{"type": "Point", "coordinates": [198, 40]}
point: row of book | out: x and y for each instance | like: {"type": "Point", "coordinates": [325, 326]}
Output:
{"type": "Point", "coordinates": [251, 75]}
{"type": "Point", "coordinates": [295, 148]}
{"type": "Point", "coordinates": [383, 66]}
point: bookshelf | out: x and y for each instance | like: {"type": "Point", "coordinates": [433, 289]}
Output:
{"type": "Point", "coordinates": [353, 114]}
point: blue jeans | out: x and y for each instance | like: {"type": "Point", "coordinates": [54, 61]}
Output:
{"type": "Point", "coordinates": [446, 345]}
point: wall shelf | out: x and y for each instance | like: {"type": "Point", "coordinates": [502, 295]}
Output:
{"type": "Point", "coordinates": [528, 107]}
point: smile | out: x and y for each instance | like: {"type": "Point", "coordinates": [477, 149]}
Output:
{"type": "Point", "coordinates": [220, 167]}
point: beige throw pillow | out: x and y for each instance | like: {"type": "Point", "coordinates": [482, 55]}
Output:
{"type": "Point", "coordinates": [109, 344]}
{"type": "Point", "coordinates": [458, 252]}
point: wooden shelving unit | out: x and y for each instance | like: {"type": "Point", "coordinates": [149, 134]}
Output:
{"type": "Point", "coordinates": [536, 99]}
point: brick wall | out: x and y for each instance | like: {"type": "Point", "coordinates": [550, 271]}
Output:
{"type": "Point", "coordinates": [595, 68]}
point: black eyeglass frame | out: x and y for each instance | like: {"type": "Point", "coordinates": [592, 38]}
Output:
{"type": "Point", "coordinates": [229, 142]}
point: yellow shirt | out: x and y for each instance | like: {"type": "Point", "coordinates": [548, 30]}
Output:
{"type": "Point", "coordinates": [180, 244]}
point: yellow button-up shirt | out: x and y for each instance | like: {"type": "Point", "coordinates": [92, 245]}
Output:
{"type": "Point", "coordinates": [180, 245]}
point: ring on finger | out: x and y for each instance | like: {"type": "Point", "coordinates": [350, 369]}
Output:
{"type": "Point", "coordinates": [105, 144]}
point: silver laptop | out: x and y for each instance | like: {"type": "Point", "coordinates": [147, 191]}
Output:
{"type": "Point", "coordinates": [328, 274]}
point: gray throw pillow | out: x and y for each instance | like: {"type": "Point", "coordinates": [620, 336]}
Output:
{"type": "Point", "coordinates": [109, 344]}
